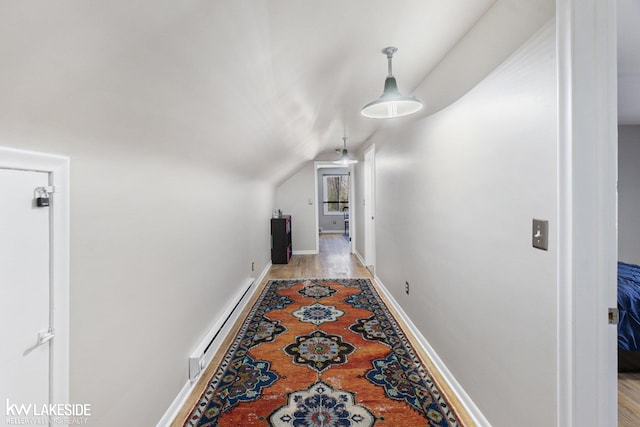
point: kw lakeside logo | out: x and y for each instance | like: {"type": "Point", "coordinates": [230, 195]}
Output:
{"type": "Point", "coordinates": [48, 413]}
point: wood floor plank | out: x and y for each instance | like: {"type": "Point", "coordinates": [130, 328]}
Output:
{"type": "Point", "coordinates": [629, 399]}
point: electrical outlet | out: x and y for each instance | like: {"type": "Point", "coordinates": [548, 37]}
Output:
{"type": "Point", "coordinates": [253, 266]}
{"type": "Point", "coordinates": [406, 287]}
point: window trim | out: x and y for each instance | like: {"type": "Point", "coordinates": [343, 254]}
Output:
{"type": "Point", "coordinates": [325, 205]}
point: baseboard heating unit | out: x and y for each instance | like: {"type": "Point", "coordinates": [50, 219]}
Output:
{"type": "Point", "coordinates": [203, 354]}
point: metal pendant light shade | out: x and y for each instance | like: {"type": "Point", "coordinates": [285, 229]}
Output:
{"type": "Point", "coordinates": [391, 103]}
{"type": "Point", "coordinates": [344, 159]}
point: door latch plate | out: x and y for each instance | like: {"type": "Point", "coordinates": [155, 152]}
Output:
{"type": "Point", "coordinates": [614, 315]}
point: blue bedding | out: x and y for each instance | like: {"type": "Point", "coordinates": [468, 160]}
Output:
{"type": "Point", "coordinates": [629, 306]}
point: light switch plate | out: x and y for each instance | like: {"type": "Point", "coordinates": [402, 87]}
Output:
{"type": "Point", "coordinates": [540, 234]}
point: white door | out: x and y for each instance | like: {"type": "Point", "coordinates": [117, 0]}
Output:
{"type": "Point", "coordinates": [369, 209]}
{"type": "Point", "coordinates": [24, 291]}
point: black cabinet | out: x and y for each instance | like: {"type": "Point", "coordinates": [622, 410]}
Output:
{"type": "Point", "coordinates": [281, 239]}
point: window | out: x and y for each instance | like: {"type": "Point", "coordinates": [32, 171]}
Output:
{"type": "Point", "coordinates": [335, 194]}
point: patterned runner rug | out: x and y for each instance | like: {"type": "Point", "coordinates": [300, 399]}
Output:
{"type": "Point", "coordinates": [321, 353]}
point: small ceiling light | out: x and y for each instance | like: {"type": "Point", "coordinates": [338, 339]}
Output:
{"type": "Point", "coordinates": [391, 103]}
{"type": "Point", "coordinates": [344, 159]}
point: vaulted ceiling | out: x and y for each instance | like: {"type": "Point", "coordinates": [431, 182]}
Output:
{"type": "Point", "coordinates": [258, 87]}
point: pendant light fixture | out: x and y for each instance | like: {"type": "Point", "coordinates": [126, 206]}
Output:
{"type": "Point", "coordinates": [344, 159]}
{"type": "Point", "coordinates": [391, 103]}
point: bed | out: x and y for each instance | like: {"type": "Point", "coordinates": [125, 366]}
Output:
{"type": "Point", "coordinates": [629, 323]}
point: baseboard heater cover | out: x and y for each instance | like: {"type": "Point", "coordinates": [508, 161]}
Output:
{"type": "Point", "coordinates": [203, 354]}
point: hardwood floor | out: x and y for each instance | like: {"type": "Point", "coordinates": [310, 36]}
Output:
{"type": "Point", "coordinates": [333, 261]}
{"type": "Point", "coordinates": [628, 399]}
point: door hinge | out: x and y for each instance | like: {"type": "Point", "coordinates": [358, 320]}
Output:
{"type": "Point", "coordinates": [614, 316]}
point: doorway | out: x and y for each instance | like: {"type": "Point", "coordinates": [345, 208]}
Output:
{"type": "Point", "coordinates": [628, 90]}
{"type": "Point", "coordinates": [333, 192]}
{"type": "Point", "coordinates": [34, 280]}
{"type": "Point", "coordinates": [369, 202]}
{"type": "Point", "coordinates": [24, 289]}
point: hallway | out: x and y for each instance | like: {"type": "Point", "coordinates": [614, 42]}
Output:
{"type": "Point", "coordinates": [335, 262]}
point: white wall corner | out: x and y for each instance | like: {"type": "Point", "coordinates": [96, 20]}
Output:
{"type": "Point", "coordinates": [264, 272]}
{"type": "Point", "coordinates": [361, 259]}
{"type": "Point", "coordinates": [471, 408]}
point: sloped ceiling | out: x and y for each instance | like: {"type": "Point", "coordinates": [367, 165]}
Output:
{"type": "Point", "coordinates": [628, 62]}
{"type": "Point", "coordinates": [258, 87]}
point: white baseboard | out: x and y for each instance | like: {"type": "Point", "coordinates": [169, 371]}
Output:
{"type": "Point", "coordinates": [172, 412]}
{"type": "Point", "coordinates": [341, 231]}
{"type": "Point", "coordinates": [186, 390]}
{"type": "Point", "coordinates": [305, 252]}
{"type": "Point", "coordinates": [264, 272]}
{"type": "Point", "coordinates": [371, 268]}
{"type": "Point", "coordinates": [471, 408]}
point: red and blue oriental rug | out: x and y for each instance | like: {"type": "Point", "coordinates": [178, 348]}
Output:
{"type": "Point", "coordinates": [321, 353]}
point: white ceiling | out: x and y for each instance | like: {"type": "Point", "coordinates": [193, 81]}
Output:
{"type": "Point", "coordinates": [255, 86]}
{"type": "Point", "coordinates": [629, 62]}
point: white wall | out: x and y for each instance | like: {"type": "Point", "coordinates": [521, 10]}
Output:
{"type": "Point", "coordinates": [157, 250]}
{"type": "Point", "coordinates": [292, 197]}
{"type": "Point", "coordinates": [456, 194]}
{"type": "Point", "coordinates": [629, 194]}
{"type": "Point", "coordinates": [150, 273]}
{"type": "Point", "coordinates": [161, 234]}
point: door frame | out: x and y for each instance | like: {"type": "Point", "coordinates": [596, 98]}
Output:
{"type": "Point", "coordinates": [369, 208]}
{"type": "Point", "coordinates": [57, 168]}
{"type": "Point", "coordinates": [587, 212]}
{"type": "Point", "coordinates": [321, 164]}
